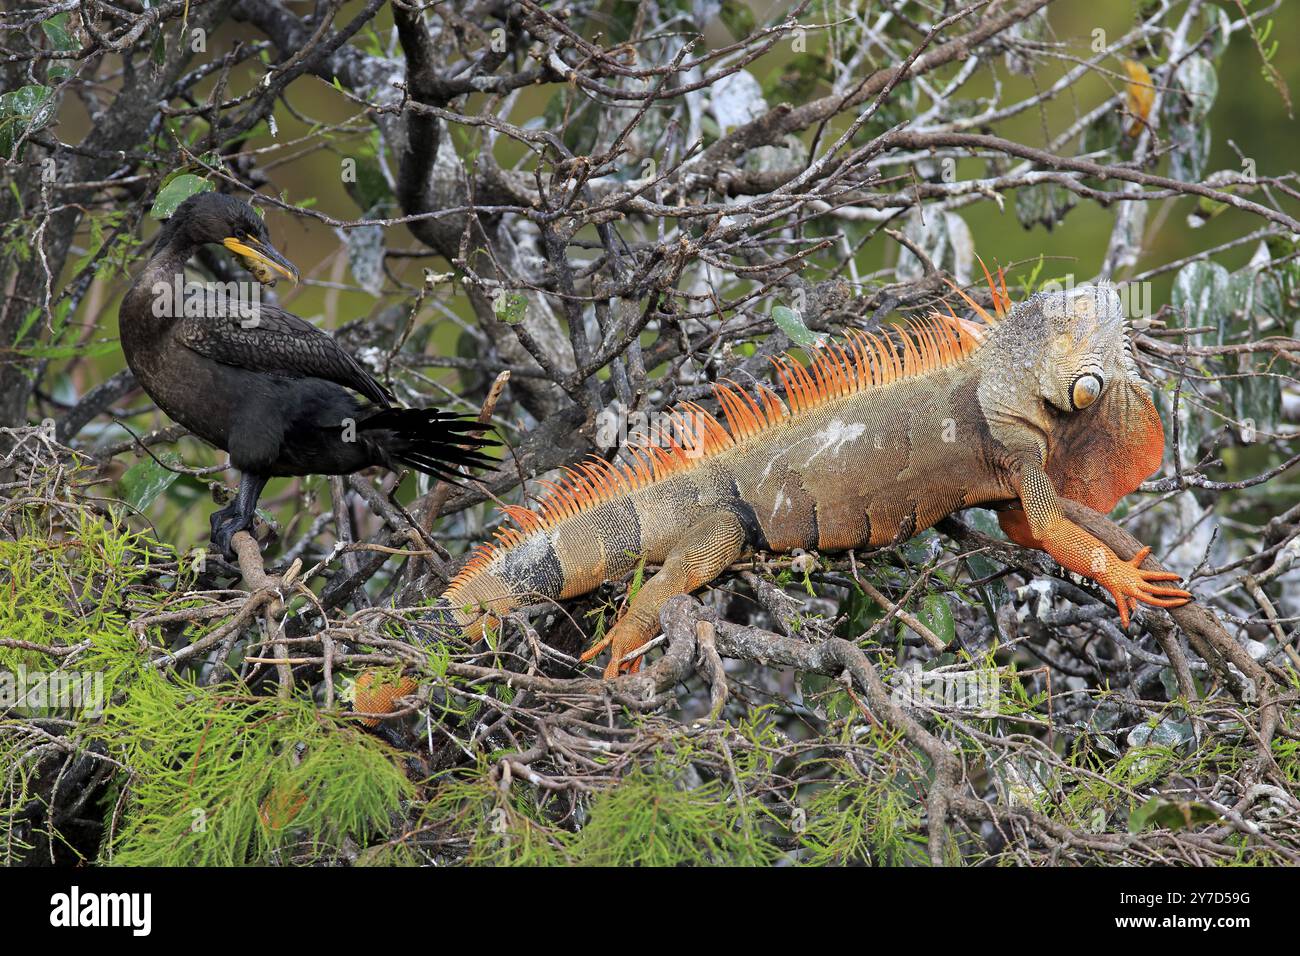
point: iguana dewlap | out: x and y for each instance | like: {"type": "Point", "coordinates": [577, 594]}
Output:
{"type": "Point", "coordinates": [876, 440]}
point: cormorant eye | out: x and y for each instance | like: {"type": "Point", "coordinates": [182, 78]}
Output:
{"type": "Point", "coordinates": [1085, 390]}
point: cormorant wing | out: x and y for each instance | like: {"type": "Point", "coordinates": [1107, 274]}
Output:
{"type": "Point", "coordinates": [277, 342]}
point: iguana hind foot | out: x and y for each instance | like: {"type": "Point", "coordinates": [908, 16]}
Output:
{"type": "Point", "coordinates": [704, 552]}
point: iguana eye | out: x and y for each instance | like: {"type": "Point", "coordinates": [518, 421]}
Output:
{"type": "Point", "coordinates": [1085, 390]}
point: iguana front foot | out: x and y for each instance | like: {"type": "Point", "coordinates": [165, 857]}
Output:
{"type": "Point", "coordinates": [1128, 583]}
{"type": "Point", "coordinates": [1078, 551]}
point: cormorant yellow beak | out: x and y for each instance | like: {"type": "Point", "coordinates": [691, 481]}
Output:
{"type": "Point", "coordinates": [261, 259]}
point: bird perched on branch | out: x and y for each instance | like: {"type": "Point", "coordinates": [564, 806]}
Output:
{"type": "Point", "coordinates": [278, 394]}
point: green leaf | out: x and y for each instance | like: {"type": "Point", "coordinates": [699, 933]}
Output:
{"type": "Point", "coordinates": [1216, 25]}
{"type": "Point", "coordinates": [1256, 293]}
{"type": "Point", "coordinates": [1203, 294]}
{"type": "Point", "coordinates": [1103, 135]}
{"type": "Point", "coordinates": [510, 307]}
{"type": "Point", "coordinates": [73, 350]}
{"type": "Point", "coordinates": [1046, 203]}
{"type": "Point", "coordinates": [175, 191]}
{"type": "Point", "coordinates": [146, 480]}
{"type": "Point", "coordinates": [24, 110]}
{"type": "Point", "coordinates": [737, 18]}
{"type": "Point", "coordinates": [791, 323]}
{"type": "Point", "coordinates": [58, 36]}
{"type": "Point", "coordinates": [58, 326]}
{"type": "Point", "coordinates": [28, 321]}
{"type": "Point", "coordinates": [369, 189]}
{"type": "Point", "coordinates": [1190, 152]}
{"type": "Point", "coordinates": [56, 32]}
{"type": "Point", "coordinates": [1256, 399]}
{"type": "Point", "coordinates": [1159, 813]}
{"type": "Point", "coordinates": [1167, 733]}
{"type": "Point", "coordinates": [936, 614]}
{"type": "Point", "coordinates": [1199, 82]}
{"type": "Point", "coordinates": [366, 257]}
{"type": "Point", "coordinates": [1196, 85]}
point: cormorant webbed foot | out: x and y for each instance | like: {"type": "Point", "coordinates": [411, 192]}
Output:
{"type": "Point", "coordinates": [224, 531]}
{"type": "Point", "coordinates": [238, 515]}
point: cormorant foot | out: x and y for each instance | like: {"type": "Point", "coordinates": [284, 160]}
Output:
{"type": "Point", "coordinates": [219, 517]}
{"type": "Point", "coordinates": [224, 531]}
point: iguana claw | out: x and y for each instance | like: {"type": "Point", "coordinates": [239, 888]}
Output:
{"type": "Point", "coordinates": [1128, 583]}
{"type": "Point", "coordinates": [618, 650]}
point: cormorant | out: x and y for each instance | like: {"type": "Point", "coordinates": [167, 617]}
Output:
{"type": "Point", "coordinates": [269, 388]}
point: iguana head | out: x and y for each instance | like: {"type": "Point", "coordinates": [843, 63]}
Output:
{"type": "Point", "coordinates": [1084, 346]}
{"type": "Point", "coordinates": [1057, 377]}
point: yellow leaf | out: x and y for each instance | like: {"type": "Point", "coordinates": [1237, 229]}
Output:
{"type": "Point", "coordinates": [1141, 93]}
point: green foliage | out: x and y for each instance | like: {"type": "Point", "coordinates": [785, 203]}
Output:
{"type": "Point", "coordinates": [652, 819]}
{"type": "Point", "coordinates": [1196, 84]}
{"type": "Point", "coordinates": [224, 778]}
{"type": "Point", "coordinates": [110, 254]}
{"type": "Point", "coordinates": [208, 774]}
{"type": "Point", "coordinates": [659, 814]}
{"type": "Point", "coordinates": [16, 771]}
{"type": "Point", "coordinates": [22, 112]}
{"type": "Point", "coordinates": [857, 819]}
{"type": "Point", "coordinates": [1045, 204]}
{"type": "Point", "coordinates": [857, 613]}
{"type": "Point", "coordinates": [936, 614]}
{"type": "Point", "coordinates": [56, 32]}
{"type": "Point", "coordinates": [510, 307]}
{"type": "Point", "coordinates": [175, 190]}
{"type": "Point", "coordinates": [369, 190]}
{"type": "Point", "coordinates": [1171, 815]}
{"type": "Point", "coordinates": [147, 479]}
{"type": "Point", "coordinates": [493, 829]}
{"type": "Point", "coordinates": [69, 584]}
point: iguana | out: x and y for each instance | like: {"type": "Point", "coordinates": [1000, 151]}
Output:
{"type": "Point", "coordinates": [879, 437]}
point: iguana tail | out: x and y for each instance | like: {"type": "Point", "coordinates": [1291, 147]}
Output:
{"type": "Point", "coordinates": [597, 524]}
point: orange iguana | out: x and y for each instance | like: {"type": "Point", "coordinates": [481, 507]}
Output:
{"type": "Point", "coordinates": [876, 440]}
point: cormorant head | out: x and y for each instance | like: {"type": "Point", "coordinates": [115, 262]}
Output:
{"type": "Point", "coordinates": [217, 218]}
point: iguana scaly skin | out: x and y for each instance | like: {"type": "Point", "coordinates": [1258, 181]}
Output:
{"type": "Point", "coordinates": [876, 440]}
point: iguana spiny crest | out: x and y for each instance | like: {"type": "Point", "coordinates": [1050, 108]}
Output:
{"type": "Point", "coordinates": [878, 437]}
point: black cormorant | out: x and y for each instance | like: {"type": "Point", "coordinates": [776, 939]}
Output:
{"type": "Point", "coordinates": [271, 389]}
